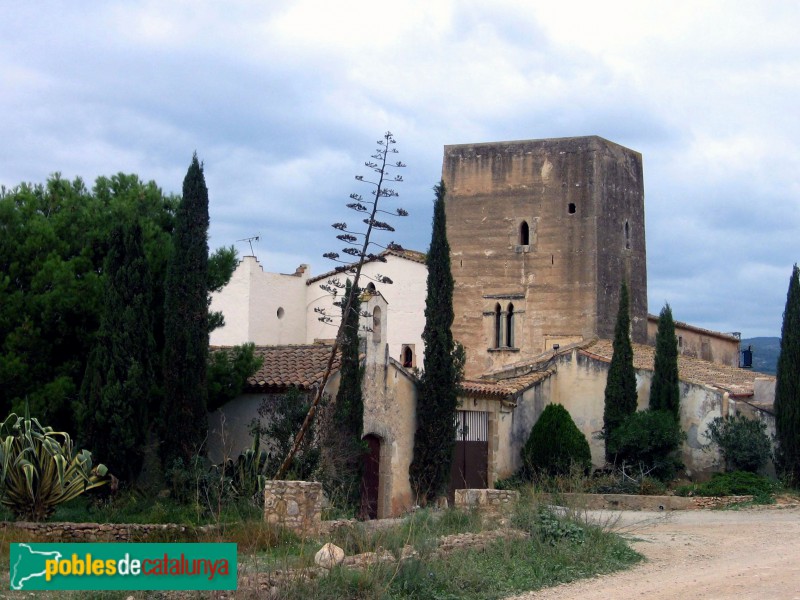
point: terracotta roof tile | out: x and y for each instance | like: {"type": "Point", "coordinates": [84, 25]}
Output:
{"type": "Point", "coordinates": [691, 370]}
{"type": "Point", "coordinates": [301, 366]}
{"type": "Point", "coordinates": [492, 388]}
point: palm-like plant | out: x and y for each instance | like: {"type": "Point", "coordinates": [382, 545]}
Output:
{"type": "Point", "coordinates": [39, 469]}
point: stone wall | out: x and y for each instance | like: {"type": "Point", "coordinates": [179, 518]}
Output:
{"type": "Point", "coordinates": [486, 500]}
{"type": "Point", "coordinates": [543, 231]}
{"type": "Point", "coordinates": [104, 532]}
{"type": "Point", "coordinates": [295, 505]}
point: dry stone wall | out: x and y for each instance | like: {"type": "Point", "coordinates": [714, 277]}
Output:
{"type": "Point", "coordinates": [103, 532]}
{"type": "Point", "coordinates": [294, 505]}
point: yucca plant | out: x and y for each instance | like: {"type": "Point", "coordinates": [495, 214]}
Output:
{"type": "Point", "coordinates": [40, 470]}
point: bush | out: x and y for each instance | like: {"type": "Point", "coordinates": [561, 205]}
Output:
{"type": "Point", "coordinates": [555, 445]}
{"type": "Point", "coordinates": [649, 441]}
{"type": "Point", "coordinates": [743, 442]}
{"type": "Point", "coordinates": [736, 483]}
{"type": "Point", "coordinates": [40, 469]}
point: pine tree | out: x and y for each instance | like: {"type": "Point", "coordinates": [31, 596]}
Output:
{"type": "Point", "coordinates": [119, 374]}
{"type": "Point", "coordinates": [348, 412]}
{"type": "Point", "coordinates": [184, 420]}
{"type": "Point", "coordinates": [437, 399]}
{"type": "Point", "coordinates": [664, 389]}
{"type": "Point", "coordinates": [787, 386]}
{"type": "Point", "coordinates": [620, 394]}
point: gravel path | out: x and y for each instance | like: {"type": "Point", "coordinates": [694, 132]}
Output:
{"type": "Point", "coordinates": [744, 554]}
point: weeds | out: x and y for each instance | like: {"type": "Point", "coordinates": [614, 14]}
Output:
{"type": "Point", "coordinates": [557, 550]}
{"type": "Point", "coordinates": [737, 483]}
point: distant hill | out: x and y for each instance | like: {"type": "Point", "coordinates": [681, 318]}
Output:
{"type": "Point", "coordinates": [765, 353]}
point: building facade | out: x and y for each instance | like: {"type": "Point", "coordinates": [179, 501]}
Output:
{"type": "Point", "coordinates": [542, 234]}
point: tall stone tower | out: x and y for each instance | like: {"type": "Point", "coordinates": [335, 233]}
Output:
{"type": "Point", "coordinates": [542, 233]}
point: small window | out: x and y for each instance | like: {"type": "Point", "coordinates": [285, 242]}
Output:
{"type": "Point", "coordinates": [371, 287]}
{"type": "Point", "coordinates": [524, 234]}
{"type": "Point", "coordinates": [407, 357]}
{"type": "Point", "coordinates": [498, 325]}
{"type": "Point", "coordinates": [680, 341]}
{"type": "Point", "coordinates": [571, 208]}
{"type": "Point", "coordinates": [376, 324]}
{"type": "Point", "coordinates": [627, 236]}
{"type": "Point", "coordinates": [280, 312]}
{"type": "Point", "coordinates": [510, 326]}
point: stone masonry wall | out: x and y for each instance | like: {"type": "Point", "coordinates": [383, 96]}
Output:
{"type": "Point", "coordinates": [486, 500]}
{"type": "Point", "coordinates": [295, 505]}
{"type": "Point", "coordinates": [103, 532]}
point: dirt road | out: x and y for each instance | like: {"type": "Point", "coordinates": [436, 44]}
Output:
{"type": "Point", "coordinates": [742, 555]}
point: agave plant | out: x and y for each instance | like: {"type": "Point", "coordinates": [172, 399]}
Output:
{"type": "Point", "coordinates": [250, 471]}
{"type": "Point", "coordinates": [39, 469]}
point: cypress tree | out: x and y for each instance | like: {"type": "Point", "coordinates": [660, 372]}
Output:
{"type": "Point", "coordinates": [620, 393]}
{"type": "Point", "coordinates": [348, 411]}
{"type": "Point", "coordinates": [184, 420]}
{"type": "Point", "coordinates": [787, 386]}
{"type": "Point", "coordinates": [119, 375]}
{"type": "Point", "coordinates": [664, 389]}
{"type": "Point", "coordinates": [437, 399]}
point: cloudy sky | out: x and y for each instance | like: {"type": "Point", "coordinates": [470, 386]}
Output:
{"type": "Point", "coordinates": [283, 102]}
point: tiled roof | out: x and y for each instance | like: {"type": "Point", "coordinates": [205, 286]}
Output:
{"type": "Point", "coordinates": [682, 325]}
{"type": "Point", "coordinates": [301, 366]}
{"type": "Point", "coordinates": [487, 388]}
{"type": "Point", "coordinates": [691, 370]}
{"type": "Point", "coordinates": [412, 255]}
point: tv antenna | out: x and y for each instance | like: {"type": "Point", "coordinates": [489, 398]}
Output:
{"type": "Point", "coordinates": [250, 241]}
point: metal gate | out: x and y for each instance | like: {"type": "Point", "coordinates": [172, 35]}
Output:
{"type": "Point", "coordinates": [370, 478]}
{"type": "Point", "coordinates": [471, 453]}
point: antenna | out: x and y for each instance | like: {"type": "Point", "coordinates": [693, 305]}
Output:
{"type": "Point", "coordinates": [250, 241]}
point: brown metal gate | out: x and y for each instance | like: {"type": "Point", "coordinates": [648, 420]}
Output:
{"type": "Point", "coordinates": [370, 477]}
{"type": "Point", "coordinates": [471, 453]}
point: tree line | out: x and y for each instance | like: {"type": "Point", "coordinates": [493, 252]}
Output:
{"type": "Point", "coordinates": [104, 320]}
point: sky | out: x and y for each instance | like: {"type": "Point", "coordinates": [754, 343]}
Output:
{"type": "Point", "coordinates": [283, 103]}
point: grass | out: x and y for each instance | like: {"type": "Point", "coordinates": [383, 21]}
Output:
{"type": "Point", "coordinates": [558, 550]}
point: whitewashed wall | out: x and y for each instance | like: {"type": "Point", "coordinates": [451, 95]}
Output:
{"type": "Point", "coordinates": [261, 307]}
{"type": "Point", "coordinates": [405, 299]}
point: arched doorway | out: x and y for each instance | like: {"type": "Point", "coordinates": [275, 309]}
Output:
{"type": "Point", "coordinates": [370, 478]}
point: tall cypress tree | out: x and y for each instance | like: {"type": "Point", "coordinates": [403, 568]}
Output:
{"type": "Point", "coordinates": [119, 374]}
{"type": "Point", "coordinates": [348, 411]}
{"type": "Point", "coordinates": [620, 394]}
{"type": "Point", "coordinates": [437, 399]}
{"type": "Point", "coordinates": [184, 420]}
{"type": "Point", "coordinates": [665, 392]}
{"type": "Point", "coordinates": [787, 386]}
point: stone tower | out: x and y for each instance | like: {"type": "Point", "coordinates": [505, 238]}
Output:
{"type": "Point", "coordinates": [542, 233]}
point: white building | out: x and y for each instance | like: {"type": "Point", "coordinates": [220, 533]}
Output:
{"type": "Point", "coordinates": [277, 309]}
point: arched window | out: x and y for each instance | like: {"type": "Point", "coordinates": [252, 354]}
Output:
{"type": "Point", "coordinates": [627, 236]}
{"type": "Point", "coordinates": [510, 326]}
{"type": "Point", "coordinates": [376, 324]}
{"type": "Point", "coordinates": [408, 357]}
{"type": "Point", "coordinates": [524, 234]}
{"type": "Point", "coordinates": [498, 326]}
{"type": "Point", "coordinates": [371, 287]}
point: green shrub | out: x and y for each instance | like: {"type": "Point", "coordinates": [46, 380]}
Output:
{"type": "Point", "coordinates": [39, 468]}
{"type": "Point", "coordinates": [555, 445]}
{"type": "Point", "coordinates": [743, 442]}
{"type": "Point", "coordinates": [649, 441]}
{"type": "Point", "coordinates": [736, 483]}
